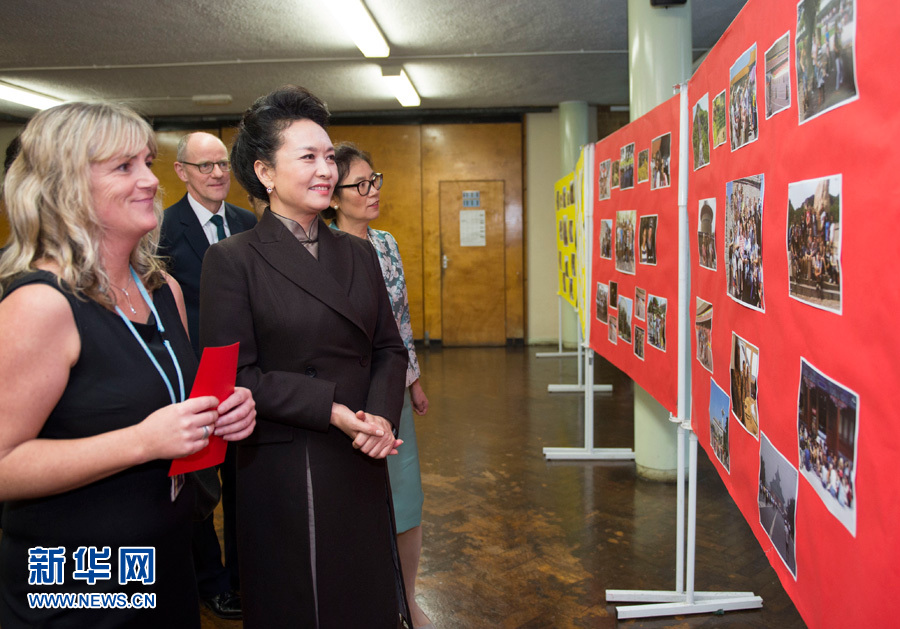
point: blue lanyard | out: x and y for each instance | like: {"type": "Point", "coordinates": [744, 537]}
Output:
{"type": "Point", "coordinates": [162, 332]}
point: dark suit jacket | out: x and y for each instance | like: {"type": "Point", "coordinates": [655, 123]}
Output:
{"type": "Point", "coordinates": [183, 242]}
{"type": "Point", "coordinates": [312, 332]}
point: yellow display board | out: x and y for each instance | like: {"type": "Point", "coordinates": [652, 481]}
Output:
{"type": "Point", "coordinates": [566, 228]}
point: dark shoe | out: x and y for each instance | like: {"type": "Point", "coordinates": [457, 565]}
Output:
{"type": "Point", "coordinates": [225, 605]}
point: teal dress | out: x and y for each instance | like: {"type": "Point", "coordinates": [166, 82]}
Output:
{"type": "Point", "coordinates": [406, 477]}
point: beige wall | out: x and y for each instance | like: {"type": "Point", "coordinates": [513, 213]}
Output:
{"type": "Point", "coordinates": [542, 155]}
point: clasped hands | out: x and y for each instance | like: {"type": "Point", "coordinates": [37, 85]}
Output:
{"type": "Point", "coordinates": [371, 434]}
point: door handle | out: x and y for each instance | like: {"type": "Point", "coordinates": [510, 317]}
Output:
{"type": "Point", "coordinates": [444, 261]}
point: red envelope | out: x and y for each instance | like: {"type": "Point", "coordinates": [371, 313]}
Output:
{"type": "Point", "coordinates": [215, 376]}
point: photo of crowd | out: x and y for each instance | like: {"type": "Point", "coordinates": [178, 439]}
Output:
{"type": "Point", "coordinates": [718, 424]}
{"type": "Point", "coordinates": [606, 238]}
{"type": "Point", "coordinates": [602, 302]}
{"type": "Point", "coordinates": [603, 182]}
{"type": "Point", "coordinates": [827, 428]}
{"type": "Point", "coordinates": [614, 174]}
{"type": "Point", "coordinates": [625, 225]}
{"type": "Point", "coordinates": [777, 502]}
{"type": "Point", "coordinates": [744, 383]}
{"type": "Point", "coordinates": [825, 56]}
{"type": "Point", "coordinates": [656, 322]}
{"type": "Point", "coordinates": [643, 167]}
{"type": "Point", "coordinates": [742, 113]}
{"type": "Point", "coordinates": [639, 342]}
{"type": "Point", "coordinates": [640, 303]}
{"type": "Point", "coordinates": [703, 326]}
{"type": "Point", "coordinates": [719, 120]}
{"type": "Point", "coordinates": [814, 242]}
{"type": "Point", "coordinates": [706, 234]}
{"type": "Point", "coordinates": [660, 152]}
{"type": "Point", "coordinates": [648, 239]}
{"type": "Point", "coordinates": [613, 329]}
{"type": "Point", "coordinates": [743, 240]}
{"type": "Point", "coordinates": [626, 167]}
{"type": "Point", "coordinates": [625, 309]}
{"type": "Point", "coordinates": [778, 76]}
{"type": "Point", "coordinates": [700, 132]}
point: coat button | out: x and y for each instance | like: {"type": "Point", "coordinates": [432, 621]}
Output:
{"type": "Point", "coordinates": [364, 361]}
{"type": "Point", "coordinates": [311, 372]}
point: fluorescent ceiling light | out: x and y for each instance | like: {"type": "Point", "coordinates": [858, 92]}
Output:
{"type": "Point", "coordinates": [401, 86]}
{"type": "Point", "coordinates": [27, 97]}
{"type": "Point", "coordinates": [359, 24]}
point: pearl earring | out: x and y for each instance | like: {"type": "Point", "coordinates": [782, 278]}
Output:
{"type": "Point", "coordinates": [268, 190]}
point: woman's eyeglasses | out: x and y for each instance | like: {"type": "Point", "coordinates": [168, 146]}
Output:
{"type": "Point", "coordinates": [363, 187]}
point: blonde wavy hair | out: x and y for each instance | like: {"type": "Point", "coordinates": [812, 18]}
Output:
{"type": "Point", "coordinates": [49, 200]}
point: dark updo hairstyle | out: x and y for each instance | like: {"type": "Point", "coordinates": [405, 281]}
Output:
{"type": "Point", "coordinates": [260, 132]}
{"type": "Point", "coordinates": [344, 155]}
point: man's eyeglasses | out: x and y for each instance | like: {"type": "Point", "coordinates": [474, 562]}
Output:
{"type": "Point", "coordinates": [363, 187]}
{"type": "Point", "coordinates": [207, 167]}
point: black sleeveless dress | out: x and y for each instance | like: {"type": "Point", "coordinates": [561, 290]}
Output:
{"type": "Point", "coordinates": [113, 385]}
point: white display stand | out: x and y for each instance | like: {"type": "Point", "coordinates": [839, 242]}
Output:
{"type": "Point", "coordinates": [587, 452]}
{"type": "Point", "coordinates": [683, 600]}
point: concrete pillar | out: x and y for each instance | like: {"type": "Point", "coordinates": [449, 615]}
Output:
{"type": "Point", "coordinates": [659, 56]}
{"type": "Point", "coordinates": [573, 134]}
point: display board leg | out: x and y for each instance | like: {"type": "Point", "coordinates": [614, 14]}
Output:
{"type": "Point", "coordinates": [682, 601]}
{"type": "Point", "coordinates": [579, 387]}
{"type": "Point", "coordinates": [589, 452]}
{"type": "Point", "coordinates": [559, 353]}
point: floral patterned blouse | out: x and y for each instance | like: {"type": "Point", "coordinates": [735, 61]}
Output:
{"type": "Point", "coordinates": [392, 270]}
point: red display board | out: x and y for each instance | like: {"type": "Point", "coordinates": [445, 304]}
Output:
{"type": "Point", "coordinates": [794, 114]}
{"type": "Point", "coordinates": [634, 320]}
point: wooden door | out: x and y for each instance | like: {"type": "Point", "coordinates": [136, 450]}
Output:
{"type": "Point", "coordinates": [473, 299]}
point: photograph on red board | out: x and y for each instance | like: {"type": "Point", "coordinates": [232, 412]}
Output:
{"type": "Point", "coordinates": [613, 329]}
{"type": "Point", "coordinates": [648, 239]}
{"type": "Point", "coordinates": [660, 154]}
{"type": "Point", "coordinates": [700, 132]}
{"type": "Point", "coordinates": [706, 234]}
{"type": "Point", "coordinates": [606, 238]}
{"type": "Point", "coordinates": [827, 429]}
{"type": "Point", "coordinates": [825, 50]}
{"type": "Point", "coordinates": [603, 180]}
{"type": "Point", "coordinates": [744, 383]}
{"type": "Point", "coordinates": [656, 321]}
{"type": "Point", "coordinates": [614, 174]}
{"type": "Point", "coordinates": [718, 424]}
{"type": "Point", "coordinates": [602, 302]}
{"type": "Point", "coordinates": [639, 342]}
{"type": "Point", "coordinates": [625, 309]}
{"type": "Point", "coordinates": [640, 304]}
{"type": "Point", "coordinates": [626, 166]}
{"type": "Point", "coordinates": [814, 242]}
{"type": "Point", "coordinates": [777, 500]}
{"type": "Point", "coordinates": [613, 294]}
{"type": "Point", "coordinates": [703, 325]}
{"type": "Point", "coordinates": [643, 166]}
{"type": "Point", "coordinates": [743, 241]}
{"type": "Point", "coordinates": [778, 76]}
{"type": "Point", "coordinates": [626, 222]}
{"type": "Point", "coordinates": [719, 120]}
{"type": "Point", "coordinates": [742, 109]}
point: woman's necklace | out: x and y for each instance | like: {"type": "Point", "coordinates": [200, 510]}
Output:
{"type": "Point", "coordinates": [127, 296]}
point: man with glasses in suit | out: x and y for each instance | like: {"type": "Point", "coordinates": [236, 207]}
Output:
{"type": "Point", "coordinates": [189, 227]}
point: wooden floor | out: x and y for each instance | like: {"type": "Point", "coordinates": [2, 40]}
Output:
{"type": "Point", "coordinates": [514, 541]}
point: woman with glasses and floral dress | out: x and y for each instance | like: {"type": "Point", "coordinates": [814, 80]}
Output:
{"type": "Point", "coordinates": [355, 203]}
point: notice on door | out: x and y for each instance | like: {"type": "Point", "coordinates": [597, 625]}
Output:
{"type": "Point", "coordinates": [472, 228]}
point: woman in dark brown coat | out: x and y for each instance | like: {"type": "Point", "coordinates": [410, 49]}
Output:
{"type": "Point", "coordinates": [321, 353]}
